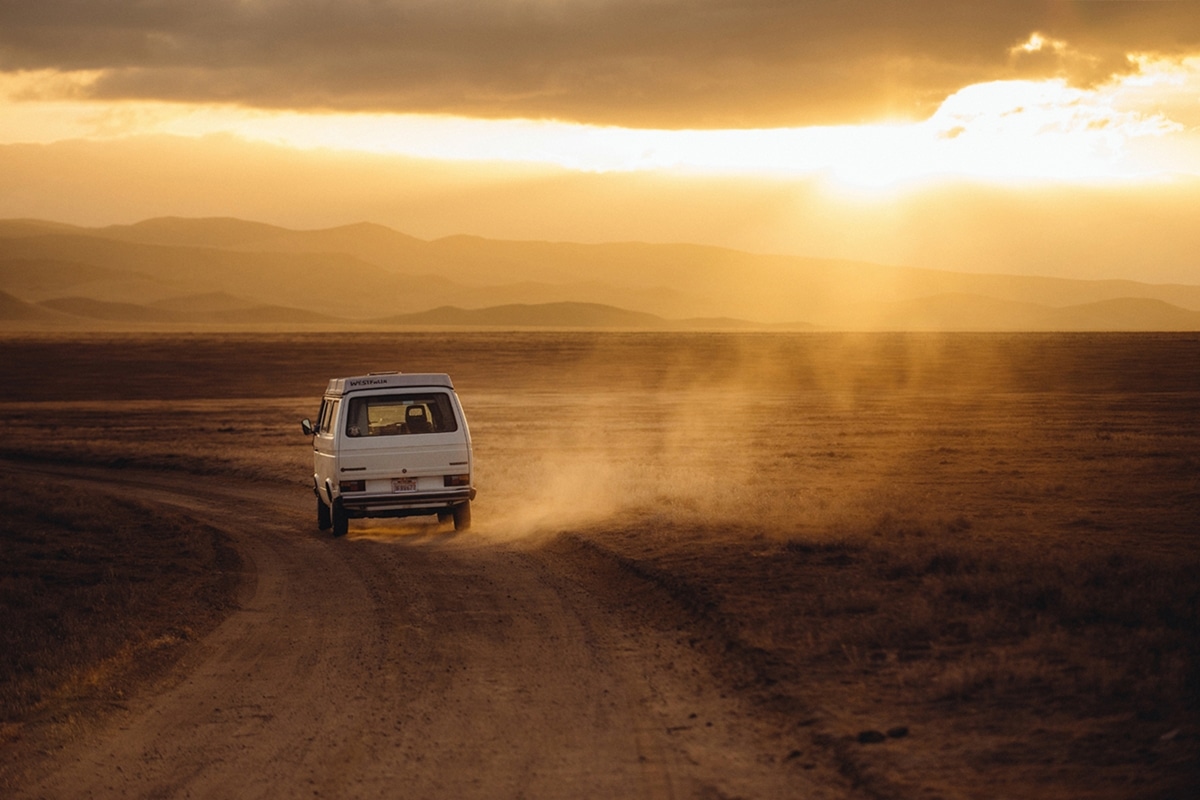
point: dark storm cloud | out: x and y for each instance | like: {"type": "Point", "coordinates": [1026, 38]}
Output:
{"type": "Point", "coordinates": [660, 63]}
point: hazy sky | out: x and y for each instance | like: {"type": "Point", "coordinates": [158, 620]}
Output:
{"type": "Point", "coordinates": [1048, 137]}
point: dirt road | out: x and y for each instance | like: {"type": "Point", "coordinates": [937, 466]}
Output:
{"type": "Point", "coordinates": [424, 664]}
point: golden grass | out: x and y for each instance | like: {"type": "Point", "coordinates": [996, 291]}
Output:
{"type": "Point", "coordinates": [1061, 674]}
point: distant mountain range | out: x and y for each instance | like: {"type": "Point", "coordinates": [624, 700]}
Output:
{"type": "Point", "coordinates": [194, 273]}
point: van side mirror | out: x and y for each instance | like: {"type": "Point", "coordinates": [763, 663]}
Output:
{"type": "Point", "coordinates": [306, 426]}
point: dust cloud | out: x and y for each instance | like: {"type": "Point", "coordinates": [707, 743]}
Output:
{"type": "Point", "coordinates": [816, 436]}
{"type": "Point", "coordinates": [754, 432]}
{"type": "Point", "coordinates": [600, 458]}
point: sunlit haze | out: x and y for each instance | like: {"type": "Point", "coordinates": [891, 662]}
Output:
{"type": "Point", "coordinates": [1106, 105]}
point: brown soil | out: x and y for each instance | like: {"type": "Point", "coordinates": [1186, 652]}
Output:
{"type": "Point", "coordinates": [703, 566]}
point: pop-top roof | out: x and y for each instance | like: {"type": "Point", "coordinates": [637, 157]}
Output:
{"type": "Point", "coordinates": [387, 380]}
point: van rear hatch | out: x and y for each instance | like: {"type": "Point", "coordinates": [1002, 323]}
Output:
{"type": "Point", "coordinates": [421, 461]}
{"type": "Point", "coordinates": [375, 472]}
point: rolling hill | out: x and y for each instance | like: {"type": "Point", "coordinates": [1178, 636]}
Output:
{"type": "Point", "coordinates": [175, 271]}
{"type": "Point", "coordinates": [553, 315]}
{"type": "Point", "coordinates": [16, 310]}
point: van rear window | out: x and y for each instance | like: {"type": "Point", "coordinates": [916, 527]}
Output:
{"type": "Point", "coordinates": [400, 414]}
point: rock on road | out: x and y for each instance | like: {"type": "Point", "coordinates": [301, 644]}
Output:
{"type": "Point", "coordinates": [424, 666]}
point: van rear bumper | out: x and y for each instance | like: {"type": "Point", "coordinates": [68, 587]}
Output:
{"type": "Point", "coordinates": [408, 504]}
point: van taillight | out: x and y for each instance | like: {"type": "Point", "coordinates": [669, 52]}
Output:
{"type": "Point", "coordinates": [457, 480]}
{"type": "Point", "coordinates": [352, 486]}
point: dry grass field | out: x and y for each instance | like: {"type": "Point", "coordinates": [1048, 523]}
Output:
{"type": "Point", "coordinates": [82, 596]}
{"type": "Point", "coordinates": [958, 565]}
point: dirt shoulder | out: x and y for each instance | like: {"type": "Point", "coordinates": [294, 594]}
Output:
{"type": "Point", "coordinates": [947, 669]}
{"type": "Point", "coordinates": [99, 595]}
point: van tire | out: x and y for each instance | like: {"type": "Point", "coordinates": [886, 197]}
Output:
{"type": "Point", "coordinates": [341, 522]}
{"type": "Point", "coordinates": [324, 521]}
{"type": "Point", "coordinates": [462, 516]}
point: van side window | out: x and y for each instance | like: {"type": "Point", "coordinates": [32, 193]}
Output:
{"type": "Point", "coordinates": [320, 426]}
{"type": "Point", "coordinates": [396, 414]}
{"type": "Point", "coordinates": [328, 415]}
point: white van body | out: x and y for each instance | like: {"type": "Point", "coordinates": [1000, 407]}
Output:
{"type": "Point", "coordinates": [391, 445]}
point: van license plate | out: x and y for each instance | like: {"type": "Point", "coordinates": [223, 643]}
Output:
{"type": "Point", "coordinates": [404, 484]}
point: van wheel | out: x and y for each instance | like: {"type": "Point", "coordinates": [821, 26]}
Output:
{"type": "Point", "coordinates": [324, 521]}
{"type": "Point", "coordinates": [462, 516]}
{"type": "Point", "coordinates": [340, 522]}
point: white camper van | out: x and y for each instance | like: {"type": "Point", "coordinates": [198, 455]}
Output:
{"type": "Point", "coordinates": [391, 444]}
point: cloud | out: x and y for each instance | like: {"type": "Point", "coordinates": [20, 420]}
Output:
{"type": "Point", "coordinates": [640, 63]}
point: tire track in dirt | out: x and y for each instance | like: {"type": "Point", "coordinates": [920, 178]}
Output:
{"type": "Point", "coordinates": [427, 664]}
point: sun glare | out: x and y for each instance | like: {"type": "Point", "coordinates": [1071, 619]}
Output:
{"type": "Point", "coordinates": [1000, 131]}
